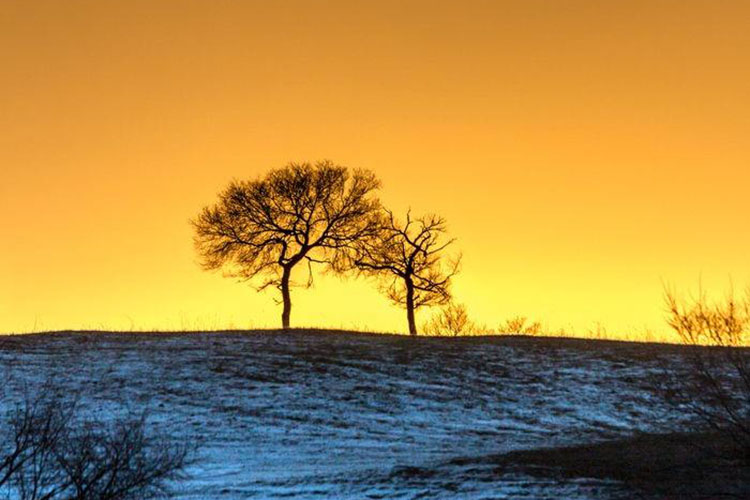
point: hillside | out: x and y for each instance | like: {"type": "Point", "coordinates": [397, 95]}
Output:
{"type": "Point", "coordinates": [321, 415]}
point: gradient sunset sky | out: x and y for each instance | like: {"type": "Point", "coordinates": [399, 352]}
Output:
{"type": "Point", "coordinates": [584, 153]}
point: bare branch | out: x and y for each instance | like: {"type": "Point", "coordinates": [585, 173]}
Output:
{"type": "Point", "coordinates": [715, 388]}
{"type": "Point", "coordinates": [410, 253]}
{"type": "Point", "coordinates": [312, 212]}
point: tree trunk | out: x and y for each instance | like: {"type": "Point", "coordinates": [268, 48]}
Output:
{"type": "Point", "coordinates": [410, 308]}
{"type": "Point", "coordinates": [286, 297]}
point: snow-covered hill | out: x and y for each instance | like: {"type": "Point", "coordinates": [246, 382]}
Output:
{"type": "Point", "coordinates": [336, 415]}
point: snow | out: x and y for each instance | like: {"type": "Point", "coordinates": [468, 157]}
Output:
{"type": "Point", "coordinates": [311, 415]}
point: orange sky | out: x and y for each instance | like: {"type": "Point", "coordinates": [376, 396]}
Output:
{"type": "Point", "coordinates": [583, 152]}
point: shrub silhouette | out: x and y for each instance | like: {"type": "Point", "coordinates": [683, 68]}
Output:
{"type": "Point", "coordinates": [522, 325]}
{"type": "Point", "coordinates": [716, 387]}
{"type": "Point", "coordinates": [48, 453]}
{"type": "Point", "coordinates": [453, 319]}
{"type": "Point", "coordinates": [301, 213]}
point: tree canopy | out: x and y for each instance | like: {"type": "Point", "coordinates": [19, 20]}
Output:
{"type": "Point", "coordinates": [301, 212]}
{"type": "Point", "coordinates": [409, 257]}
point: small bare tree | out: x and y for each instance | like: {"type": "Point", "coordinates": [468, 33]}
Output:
{"type": "Point", "coordinates": [409, 256]}
{"type": "Point", "coordinates": [47, 453]}
{"type": "Point", "coordinates": [716, 387]}
{"type": "Point", "coordinates": [298, 213]}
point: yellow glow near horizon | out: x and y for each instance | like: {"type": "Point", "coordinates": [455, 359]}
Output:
{"type": "Point", "coordinates": [583, 152]}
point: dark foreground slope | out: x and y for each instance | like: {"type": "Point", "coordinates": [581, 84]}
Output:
{"type": "Point", "coordinates": [326, 415]}
{"type": "Point", "coordinates": [671, 465]}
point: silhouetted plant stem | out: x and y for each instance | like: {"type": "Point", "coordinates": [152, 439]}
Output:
{"type": "Point", "coordinates": [287, 312]}
{"type": "Point", "coordinates": [410, 308]}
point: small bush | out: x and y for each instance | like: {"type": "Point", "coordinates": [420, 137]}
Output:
{"type": "Point", "coordinates": [520, 325]}
{"type": "Point", "coordinates": [715, 387]}
{"type": "Point", "coordinates": [454, 320]}
{"type": "Point", "coordinates": [48, 452]}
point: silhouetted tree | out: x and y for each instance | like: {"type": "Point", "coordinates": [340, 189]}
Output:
{"type": "Point", "coordinates": [411, 255]}
{"type": "Point", "coordinates": [298, 213]}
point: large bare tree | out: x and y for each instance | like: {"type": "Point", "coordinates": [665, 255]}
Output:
{"type": "Point", "coordinates": [409, 256]}
{"type": "Point", "coordinates": [300, 213]}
